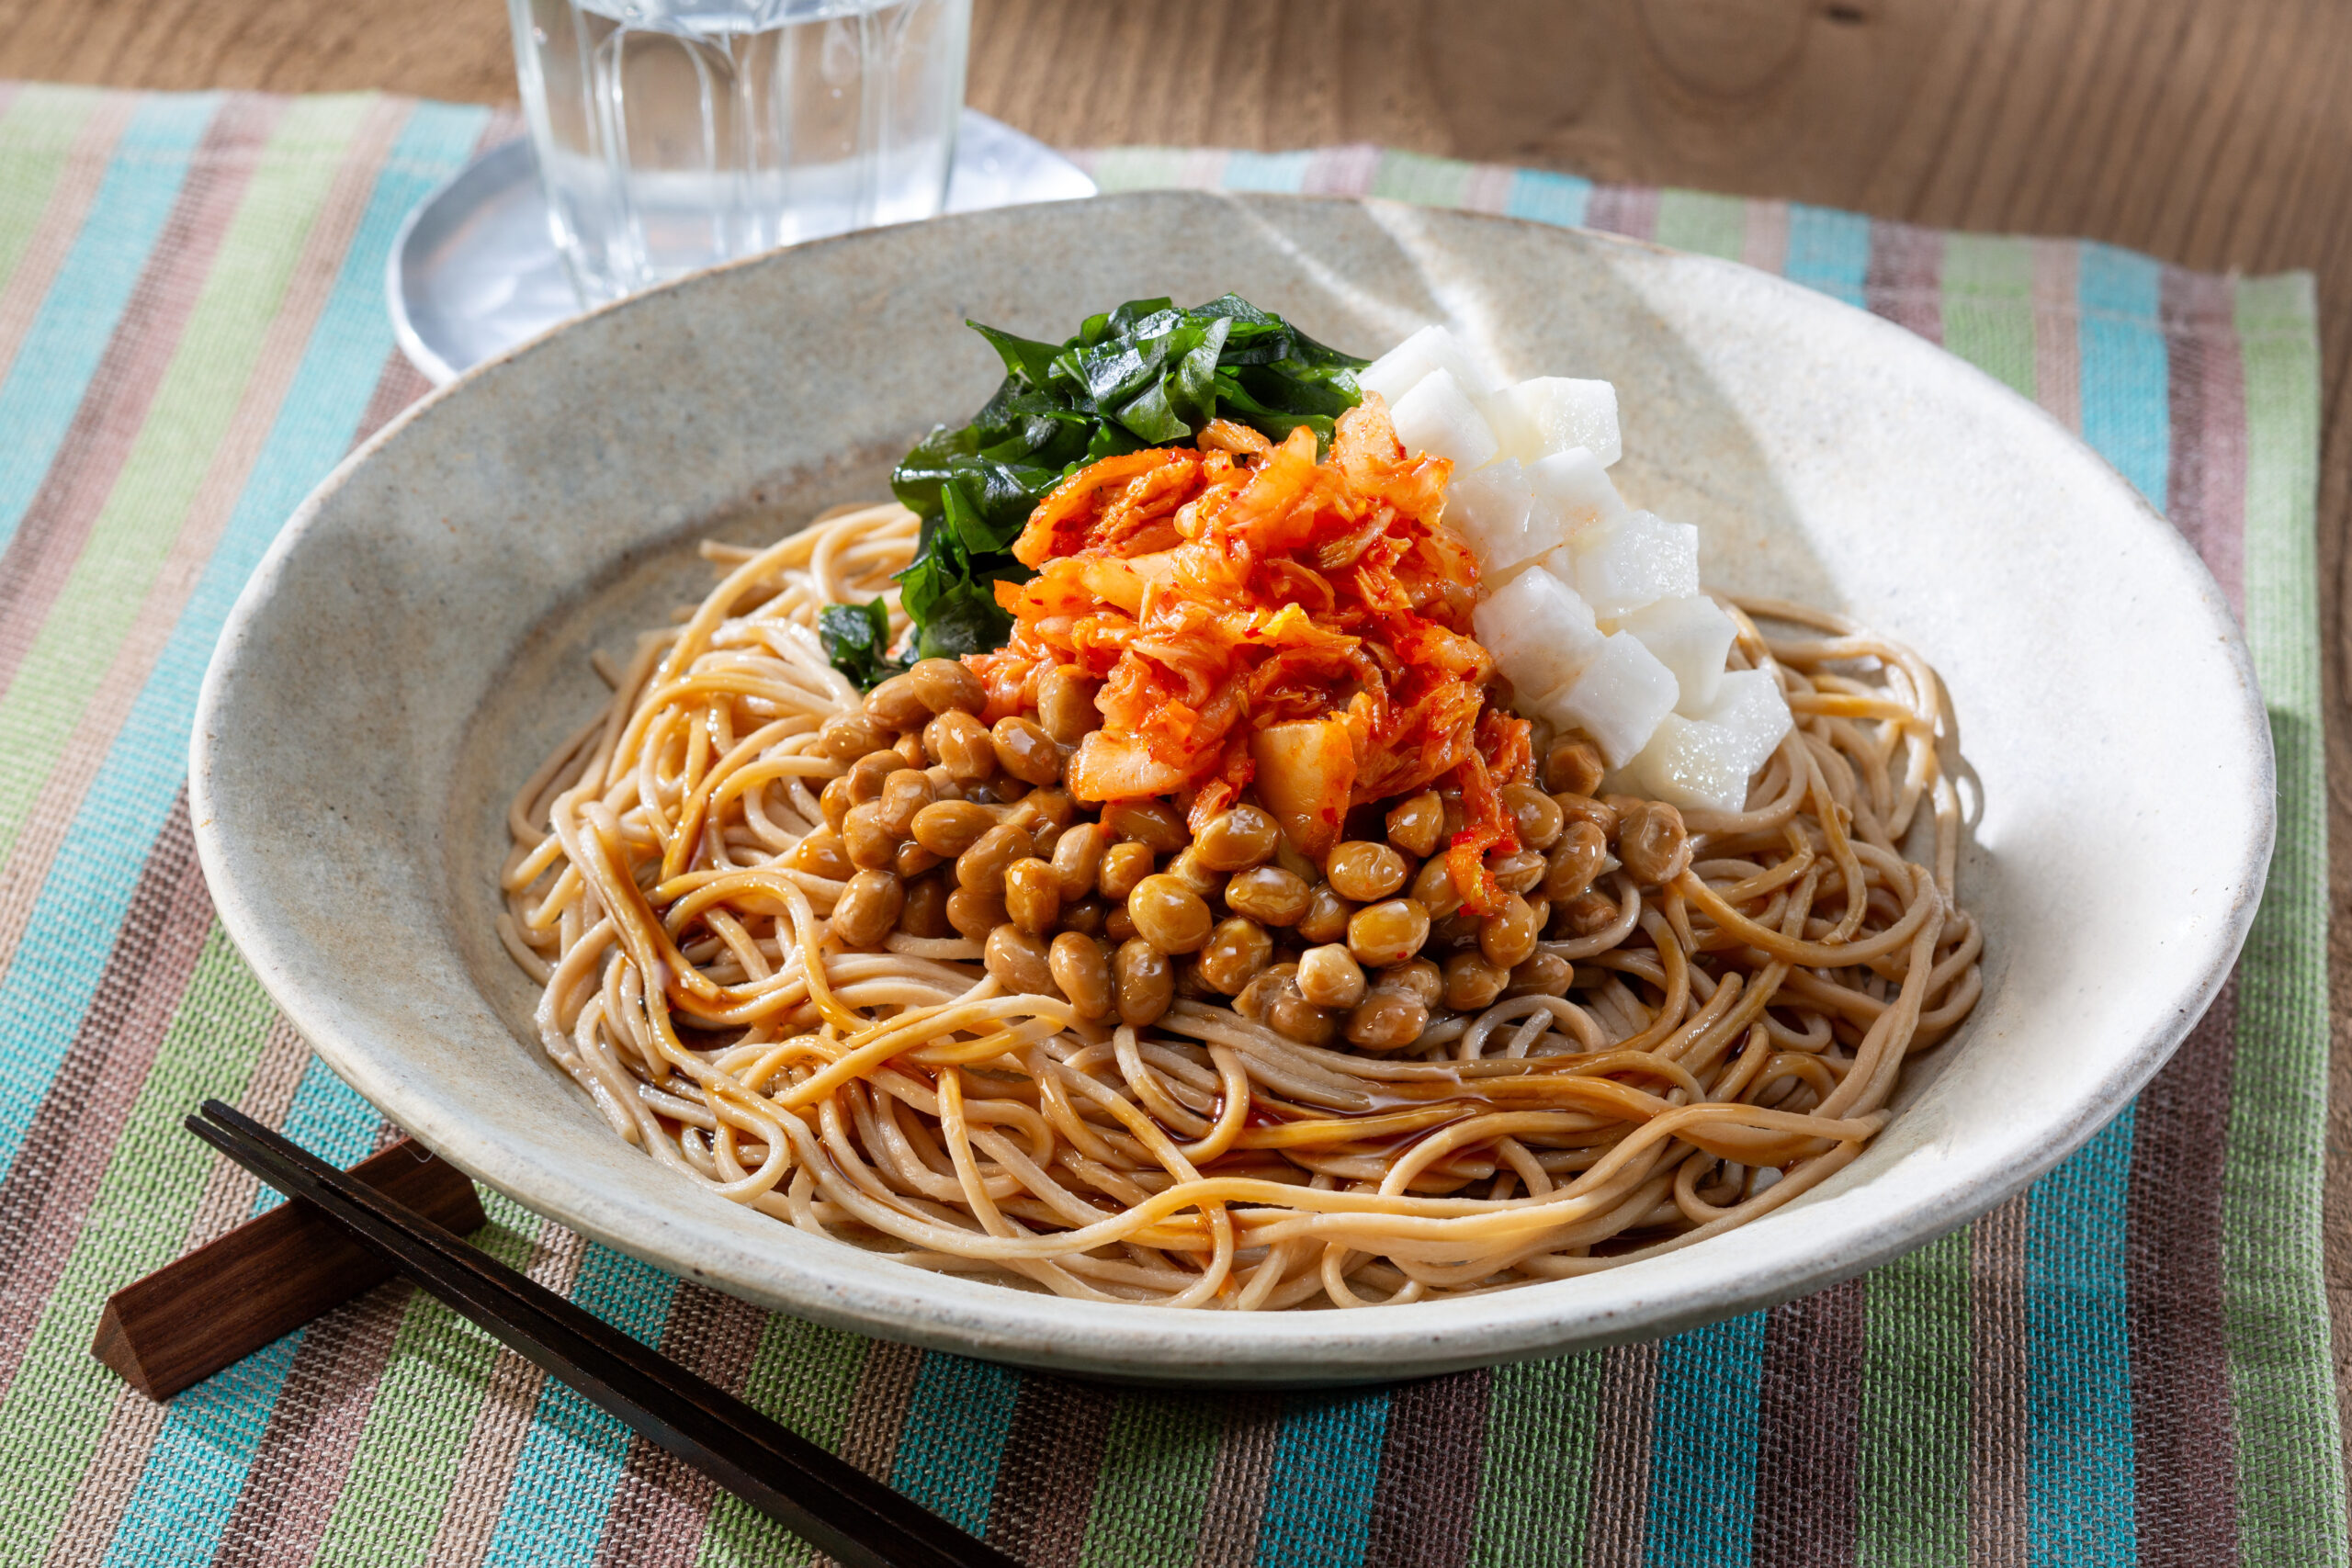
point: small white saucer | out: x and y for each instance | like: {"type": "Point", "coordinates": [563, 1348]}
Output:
{"type": "Point", "coordinates": [473, 270]}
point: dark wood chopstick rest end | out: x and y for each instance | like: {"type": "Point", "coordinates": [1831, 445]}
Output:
{"type": "Point", "coordinates": [262, 1281]}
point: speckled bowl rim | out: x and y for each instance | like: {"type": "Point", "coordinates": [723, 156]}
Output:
{"type": "Point", "coordinates": [1123, 1342]}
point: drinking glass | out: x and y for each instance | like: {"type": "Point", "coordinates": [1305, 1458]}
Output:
{"type": "Point", "coordinates": [673, 134]}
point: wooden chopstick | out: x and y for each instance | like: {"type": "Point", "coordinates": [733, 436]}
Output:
{"type": "Point", "coordinates": [830, 1503]}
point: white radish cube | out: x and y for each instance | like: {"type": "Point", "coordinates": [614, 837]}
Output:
{"type": "Point", "coordinates": [1551, 413]}
{"type": "Point", "coordinates": [1685, 764]}
{"type": "Point", "coordinates": [1618, 700]}
{"type": "Point", "coordinates": [1439, 417]}
{"type": "Point", "coordinates": [1577, 487]}
{"type": "Point", "coordinates": [1751, 716]}
{"type": "Point", "coordinates": [1504, 523]}
{"type": "Point", "coordinates": [1692, 637]}
{"type": "Point", "coordinates": [1635, 560]}
{"type": "Point", "coordinates": [1542, 634]}
{"type": "Point", "coordinates": [1402, 368]}
{"type": "Point", "coordinates": [1705, 762]}
{"type": "Point", "coordinates": [1515, 432]}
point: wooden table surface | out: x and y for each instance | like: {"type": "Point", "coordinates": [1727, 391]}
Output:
{"type": "Point", "coordinates": [2212, 134]}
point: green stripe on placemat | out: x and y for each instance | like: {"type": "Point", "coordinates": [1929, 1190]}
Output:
{"type": "Point", "coordinates": [2290, 1486]}
{"type": "Point", "coordinates": [2130, 1362]}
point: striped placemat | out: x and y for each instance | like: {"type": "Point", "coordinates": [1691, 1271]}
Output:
{"type": "Point", "coordinates": [2129, 1363]}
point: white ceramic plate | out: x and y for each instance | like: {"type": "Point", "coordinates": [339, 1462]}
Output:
{"type": "Point", "coordinates": [415, 642]}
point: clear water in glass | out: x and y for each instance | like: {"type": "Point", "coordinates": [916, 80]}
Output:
{"type": "Point", "coordinates": [673, 134]}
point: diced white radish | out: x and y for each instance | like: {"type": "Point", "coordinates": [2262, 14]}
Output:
{"type": "Point", "coordinates": [1751, 714]}
{"type": "Point", "coordinates": [1686, 765]}
{"type": "Point", "coordinates": [1551, 413]}
{"type": "Point", "coordinates": [1618, 700]}
{"type": "Point", "coordinates": [1438, 416]}
{"type": "Point", "coordinates": [1706, 763]}
{"type": "Point", "coordinates": [1692, 637]}
{"type": "Point", "coordinates": [1504, 523]}
{"type": "Point", "coordinates": [1635, 560]}
{"type": "Point", "coordinates": [1577, 487]}
{"type": "Point", "coordinates": [1401, 369]}
{"type": "Point", "coordinates": [1542, 634]}
{"type": "Point", "coordinates": [1515, 432]}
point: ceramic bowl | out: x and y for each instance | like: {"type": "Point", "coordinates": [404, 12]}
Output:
{"type": "Point", "coordinates": [417, 640]}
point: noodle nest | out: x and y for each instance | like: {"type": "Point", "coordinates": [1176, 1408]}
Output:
{"type": "Point", "coordinates": [1729, 1040]}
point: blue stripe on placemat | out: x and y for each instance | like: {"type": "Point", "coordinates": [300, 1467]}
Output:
{"type": "Point", "coordinates": [1548, 198]}
{"type": "Point", "coordinates": [1703, 1445]}
{"type": "Point", "coordinates": [1326, 1462]}
{"type": "Point", "coordinates": [957, 1419]}
{"type": "Point", "coordinates": [2126, 369]}
{"type": "Point", "coordinates": [2079, 1480]}
{"type": "Point", "coordinates": [1828, 251]}
{"type": "Point", "coordinates": [55, 970]}
{"type": "Point", "coordinates": [572, 1460]}
{"type": "Point", "coordinates": [1284, 172]}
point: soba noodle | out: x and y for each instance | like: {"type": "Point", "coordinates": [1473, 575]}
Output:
{"type": "Point", "coordinates": [1729, 1041]}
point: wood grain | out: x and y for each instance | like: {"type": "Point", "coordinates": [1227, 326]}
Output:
{"type": "Point", "coordinates": [434, 48]}
{"type": "Point", "coordinates": [2214, 135]}
{"type": "Point", "coordinates": [171, 1330]}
